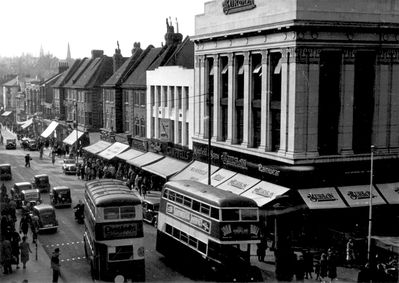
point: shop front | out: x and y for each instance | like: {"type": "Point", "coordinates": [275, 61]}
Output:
{"type": "Point", "coordinates": [113, 150]}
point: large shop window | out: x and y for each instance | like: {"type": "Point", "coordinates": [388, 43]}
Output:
{"type": "Point", "coordinates": [363, 103]}
{"type": "Point", "coordinates": [275, 100]}
{"type": "Point", "coordinates": [329, 102]}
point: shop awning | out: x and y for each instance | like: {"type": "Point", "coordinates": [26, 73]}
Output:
{"type": "Point", "coordinates": [196, 171]}
{"type": "Point", "coordinates": [390, 191]}
{"type": "Point", "coordinates": [322, 198]}
{"type": "Point", "coordinates": [27, 124]}
{"type": "Point", "coordinates": [130, 154]}
{"type": "Point", "coordinates": [145, 159]}
{"type": "Point", "coordinates": [165, 167]}
{"type": "Point", "coordinates": [72, 138]}
{"type": "Point", "coordinates": [219, 177]}
{"type": "Point", "coordinates": [388, 243]}
{"type": "Point", "coordinates": [97, 147]}
{"type": "Point", "coordinates": [264, 192]}
{"type": "Point", "coordinates": [50, 129]}
{"type": "Point", "coordinates": [239, 183]}
{"type": "Point", "coordinates": [6, 113]}
{"type": "Point", "coordinates": [113, 150]}
{"type": "Point", "coordinates": [359, 195]}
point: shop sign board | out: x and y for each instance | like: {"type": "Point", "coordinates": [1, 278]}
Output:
{"type": "Point", "coordinates": [170, 149]}
{"type": "Point", "coordinates": [235, 6]}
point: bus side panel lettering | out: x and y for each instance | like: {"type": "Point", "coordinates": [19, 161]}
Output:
{"type": "Point", "coordinates": [189, 217]}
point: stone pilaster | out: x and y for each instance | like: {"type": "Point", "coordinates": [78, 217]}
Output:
{"type": "Point", "coordinates": [217, 118]}
{"type": "Point", "coordinates": [184, 129]}
{"type": "Point", "coordinates": [265, 104]}
{"type": "Point", "coordinates": [196, 98]}
{"type": "Point", "coordinates": [284, 102]}
{"type": "Point", "coordinates": [156, 126]}
{"type": "Point", "coordinates": [231, 124]}
{"type": "Point", "coordinates": [248, 130]}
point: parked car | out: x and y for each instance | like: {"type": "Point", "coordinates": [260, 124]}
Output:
{"type": "Point", "coordinates": [11, 144]}
{"type": "Point", "coordinates": [69, 166]}
{"type": "Point", "coordinates": [60, 196]}
{"type": "Point", "coordinates": [24, 143]}
{"type": "Point", "coordinates": [5, 171]}
{"type": "Point", "coordinates": [16, 192]}
{"type": "Point", "coordinates": [150, 205]}
{"type": "Point", "coordinates": [32, 145]}
{"type": "Point", "coordinates": [47, 217]}
{"type": "Point", "coordinates": [41, 182]}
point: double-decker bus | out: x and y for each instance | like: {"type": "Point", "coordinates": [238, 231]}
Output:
{"type": "Point", "coordinates": [210, 226]}
{"type": "Point", "coordinates": [113, 237]}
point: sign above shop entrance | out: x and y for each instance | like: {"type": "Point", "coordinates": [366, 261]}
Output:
{"type": "Point", "coordinates": [235, 6]}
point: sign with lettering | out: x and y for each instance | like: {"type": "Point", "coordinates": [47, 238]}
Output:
{"type": "Point", "coordinates": [322, 198]}
{"type": "Point", "coordinates": [360, 195]}
{"type": "Point", "coordinates": [264, 192]}
{"type": "Point", "coordinates": [170, 149]}
{"type": "Point", "coordinates": [140, 144]}
{"type": "Point", "coordinates": [188, 217]}
{"type": "Point", "coordinates": [239, 183]}
{"type": "Point", "coordinates": [239, 231]}
{"type": "Point", "coordinates": [120, 230]}
{"type": "Point", "coordinates": [390, 191]}
{"type": "Point", "coordinates": [235, 6]}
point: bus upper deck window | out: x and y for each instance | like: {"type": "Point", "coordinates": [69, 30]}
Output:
{"type": "Point", "coordinates": [179, 198]}
{"type": "Point", "coordinates": [230, 214]}
{"type": "Point", "coordinates": [171, 195]}
{"type": "Point", "coordinates": [214, 213]}
{"type": "Point", "coordinates": [111, 213]}
{"type": "Point", "coordinates": [128, 212]}
{"type": "Point", "coordinates": [249, 214]}
{"type": "Point", "coordinates": [187, 201]}
{"type": "Point", "coordinates": [205, 209]}
{"type": "Point", "coordinates": [196, 205]}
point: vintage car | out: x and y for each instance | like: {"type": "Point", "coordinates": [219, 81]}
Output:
{"type": "Point", "coordinates": [31, 197]}
{"type": "Point", "coordinates": [150, 205]}
{"type": "Point", "coordinates": [16, 192]}
{"type": "Point", "coordinates": [11, 144]}
{"type": "Point", "coordinates": [41, 182]}
{"type": "Point", "coordinates": [46, 215]}
{"type": "Point", "coordinates": [69, 166]}
{"type": "Point", "coordinates": [60, 196]}
{"type": "Point", "coordinates": [32, 145]}
{"type": "Point", "coordinates": [5, 172]}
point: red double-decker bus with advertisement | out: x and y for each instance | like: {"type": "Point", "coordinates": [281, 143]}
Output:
{"type": "Point", "coordinates": [210, 226]}
{"type": "Point", "coordinates": [113, 237]}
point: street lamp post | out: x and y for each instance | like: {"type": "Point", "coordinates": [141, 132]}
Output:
{"type": "Point", "coordinates": [76, 129]}
{"type": "Point", "coordinates": [370, 206]}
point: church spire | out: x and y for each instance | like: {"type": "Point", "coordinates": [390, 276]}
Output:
{"type": "Point", "coordinates": [41, 51]}
{"type": "Point", "coordinates": [68, 58]}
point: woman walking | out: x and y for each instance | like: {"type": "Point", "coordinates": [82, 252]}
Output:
{"type": "Point", "coordinates": [25, 250]}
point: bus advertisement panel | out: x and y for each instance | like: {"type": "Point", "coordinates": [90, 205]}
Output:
{"type": "Point", "coordinates": [213, 226]}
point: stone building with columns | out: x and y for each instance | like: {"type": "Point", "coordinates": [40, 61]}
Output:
{"type": "Point", "coordinates": [298, 82]}
{"type": "Point", "coordinates": [298, 91]}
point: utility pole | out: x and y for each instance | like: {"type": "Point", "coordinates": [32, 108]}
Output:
{"type": "Point", "coordinates": [209, 138]}
{"type": "Point", "coordinates": [370, 206]}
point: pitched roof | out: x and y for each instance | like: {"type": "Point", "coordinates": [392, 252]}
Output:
{"type": "Point", "coordinates": [163, 56]}
{"type": "Point", "coordinates": [98, 70]}
{"type": "Point", "coordinates": [123, 71]}
{"type": "Point", "coordinates": [52, 80]}
{"type": "Point", "coordinates": [183, 55]}
{"type": "Point", "coordinates": [13, 82]}
{"type": "Point", "coordinates": [138, 76]}
{"type": "Point", "coordinates": [75, 76]}
{"type": "Point", "coordinates": [65, 76]}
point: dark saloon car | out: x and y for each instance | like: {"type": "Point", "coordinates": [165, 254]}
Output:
{"type": "Point", "coordinates": [11, 144]}
{"type": "Point", "coordinates": [41, 182]}
{"type": "Point", "coordinates": [46, 215]}
{"type": "Point", "coordinates": [5, 172]}
{"type": "Point", "coordinates": [60, 196]}
{"type": "Point", "coordinates": [150, 205]}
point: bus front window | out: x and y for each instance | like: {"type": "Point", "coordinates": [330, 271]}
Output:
{"type": "Point", "coordinates": [120, 253]}
{"type": "Point", "coordinates": [249, 214]}
{"type": "Point", "coordinates": [230, 214]}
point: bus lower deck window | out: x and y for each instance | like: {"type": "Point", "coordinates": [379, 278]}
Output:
{"type": "Point", "coordinates": [168, 229]}
{"type": "Point", "coordinates": [202, 247]}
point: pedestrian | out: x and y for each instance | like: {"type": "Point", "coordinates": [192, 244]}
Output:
{"type": "Point", "coordinates": [331, 265]}
{"type": "Point", "coordinates": [15, 239]}
{"type": "Point", "coordinates": [55, 264]}
{"type": "Point", "coordinates": [25, 250]}
{"type": "Point", "coordinates": [41, 152]}
{"type": "Point", "coordinates": [300, 268]}
{"type": "Point", "coordinates": [350, 253]}
{"type": "Point", "coordinates": [6, 256]}
{"type": "Point", "coordinates": [308, 260]}
{"type": "Point", "coordinates": [322, 268]}
{"type": "Point", "coordinates": [53, 158]}
{"type": "Point", "coordinates": [260, 252]}
{"type": "Point", "coordinates": [34, 227]}
{"type": "Point", "coordinates": [24, 225]}
{"type": "Point", "coordinates": [27, 160]}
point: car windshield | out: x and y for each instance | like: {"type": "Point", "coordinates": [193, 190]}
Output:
{"type": "Point", "coordinates": [42, 181]}
{"type": "Point", "coordinates": [25, 187]}
{"type": "Point", "coordinates": [47, 215]}
{"type": "Point", "coordinates": [69, 161]}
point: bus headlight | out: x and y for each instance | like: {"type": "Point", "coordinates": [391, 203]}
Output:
{"type": "Point", "coordinates": [140, 252]}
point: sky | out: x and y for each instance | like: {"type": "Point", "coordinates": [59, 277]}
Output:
{"type": "Point", "coordinates": [90, 24]}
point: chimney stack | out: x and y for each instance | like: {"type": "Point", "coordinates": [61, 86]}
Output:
{"type": "Point", "coordinates": [62, 66]}
{"type": "Point", "coordinates": [96, 53]}
{"type": "Point", "coordinates": [117, 59]}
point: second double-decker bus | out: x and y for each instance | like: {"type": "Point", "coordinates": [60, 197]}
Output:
{"type": "Point", "coordinates": [113, 237]}
{"type": "Point", "coordinates": [212, 227]}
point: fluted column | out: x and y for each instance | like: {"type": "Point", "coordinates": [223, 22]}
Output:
{"type": "Point", "coordinates": [217, 118]}
{"type": "Point", "coordinates": [248, 130]}
{"type": "Point", "coordinates": [231, 123]}
{"type": "Point", "coordinates": [265, 104]}
{"type": "Point", "coordinates": [196, 98]}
